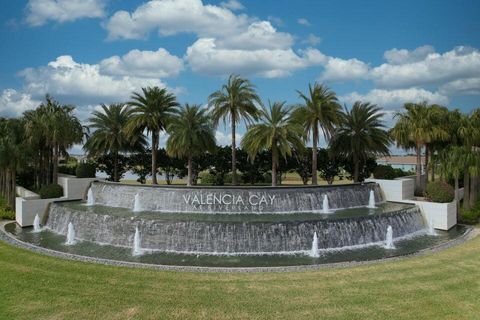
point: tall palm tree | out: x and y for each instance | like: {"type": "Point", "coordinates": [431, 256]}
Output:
{"type": "Point", "coordinates": [234, 102]}
{"type": "Point", "coordinates": [414, 126]}
{"type": "Point", "coordinates": [319, 113]}
{"type": "Point", "coordinates": [191, 133]}
{"type": "Point", "coordinates": [278, 131]}
{"type": "Point", "coordinates": [469, 132]}
{"type": "Point", "coordinates": [109, 136]}
{"type": "Point", "coordinates": [151, 111]}
{"type": "Point", "coordinates": [361, 135]}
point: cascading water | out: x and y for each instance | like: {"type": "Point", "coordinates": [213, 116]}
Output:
{"type": "Point", "coordinates": [90, 199]}
{"type": "Point", "coordinates": [36, 224]}
{"type": "Point", "coordinates": [389, 238]}
{"type": "Point", "coordinates": [325, 207]}
{"type": "Point", "coordinates": [137, 249]}
{"type": "Point", "coordinates": [314, 251]}
{"type": "Point", "coordinates": [137, 206]}
{"type": "Point", "coordinates": [431, 229]}
{"type": "Point", "coordinates": [70, 235]}
{"type": "Point", "coordinates": [371, 200]}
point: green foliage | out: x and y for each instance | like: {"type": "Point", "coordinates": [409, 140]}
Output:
{"type": "Point", "coordinates": [85, 170]}
{"type": "Point", "coordinates": [51, 191]}
{"type": "Point", "coordinates": [439, 191]}
{"type": "Point", "coordinates": [366, 168]}
{"type": "Point", "coordinates": [389, 173]}
{"type": "Point", "coordinates": [328, 165]}
{"type": "Point", "coordinates": [106, 163]}
{"type": "Point", "coordinates": [471, 216]}
{"type": "Point", "coordinates": [68, 169]}
{"type": "Point", "coordinates": [141, 165]}
{"type": "Point", "coordinates": [5, 211]}
{"type": "Point", "coordinates": [207, 178]}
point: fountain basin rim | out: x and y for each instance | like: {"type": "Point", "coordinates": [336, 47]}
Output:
{"type": "Point", "coordinates": [245, 187]}
{"type": "Point", "coordinates": [470, 233]}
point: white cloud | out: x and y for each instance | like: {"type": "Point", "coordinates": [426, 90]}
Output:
{"type": "Point", "coordinates": [40, 12]}
{"type": "Point", "coordinates": [170, 17]}
{"type": "Point", "coordinates": [14, 103]}
{"type": "Point", "coordinates": [232, 5]}
{"type": "Point", "coordinates": [83, 83]}
{"type": "Point", "coordinates": [402, 56]}
{"type": "Point", "coordinates": [461, 86]}
{"type": "Point", "coordinates": [304, 22]}
{"type": "Point", "coordinates": [145, 64]}
{"type": "Point", "coordinates": [225, 139]}
{"type": "Point", "coordinates": [337, 69]}
{"type": "Point", "coordinates": [205, 56]}
{"type": "Point", "coordinates": [395, 98]}
{"type": "Point", "coordinates": [435, 68]}
{"type": "Point", "coordinates": [259, 35]}
{"type": "Point", "coordinates": [312, 40]}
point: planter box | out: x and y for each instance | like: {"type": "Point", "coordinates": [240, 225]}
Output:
{"type": "Point", "coordinates": [395, 190]}
{"type": "Point", "coordinates": [443, 216]}
{"type": "Point", "coordinates": [29, 203]}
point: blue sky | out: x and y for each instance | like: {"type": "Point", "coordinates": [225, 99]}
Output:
{"type": "Point", "coordinates": [87, 52]}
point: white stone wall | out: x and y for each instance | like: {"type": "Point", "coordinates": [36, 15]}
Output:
{"type": "Point", "coordinates": [443, 216]}
{"type": "Point", "coordinates": [395, 190]}
{"type": "Point", "coordinates": [29, 203]}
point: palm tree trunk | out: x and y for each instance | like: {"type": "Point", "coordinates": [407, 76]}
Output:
{"type": "Point", "coordinates": [190, 173]}
{"type": "Point", "coordinates": [418, 170]}
{"type": "Point", "coordinates": [154, 156]}
{"type": "Point", "coordinates": [356, 169]}
{"type": "Point", "coordinates": [234, 152]}
{"type": "Point", "coordinates": [314, 156]}
{"type": "Point", "coordinates": [466, 191]}
{"type": "Point", "coordinates": [427, 153]}
{"type": "Point", "coordinates": [55, 164]}
{"type": "Point", "coordinates": [115, 166]}
{"type": "Point", "coordinates": [274, 165]}
{"type": "Point", "coordinates": [433, 171]}
{"type": "Point", "coordinates": [474, 185]}
{"type": "Point", "coordinates": [457, 202]}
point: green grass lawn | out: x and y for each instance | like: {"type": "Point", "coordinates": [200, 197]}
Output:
{"type": "Point", "coordinates": [444, 285]}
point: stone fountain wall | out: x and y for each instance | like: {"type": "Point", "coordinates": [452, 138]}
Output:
{"type": "Point", "coordinates": [233, 199]}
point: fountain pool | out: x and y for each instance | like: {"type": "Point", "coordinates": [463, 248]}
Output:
{"type": "Point", "coordinates": [234, 227]}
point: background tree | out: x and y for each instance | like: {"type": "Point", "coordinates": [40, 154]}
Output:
{"type": "Point", "coordinates": [319, 113]}
{"type": "Point", "coordinates": [361, 135]}
{"type": "Point", "coordinates": [329, 165]}
{"type": "Point", "coordinates": [109, 136]}
{"type": "Point", "coordinates": [414, 126]}
{"type": "Point", "coordinates": [278, 131]}
{"type": "Point", "coordinates": [170, 167]}
{"type": "Point", "coordinates": [233, 103]}
{"type": "Point", "coordinates": [151, 110]}
{"type": "Point", "coordinates": [191, 133]}
{"type": "Point", "coordinates": [140, 164]}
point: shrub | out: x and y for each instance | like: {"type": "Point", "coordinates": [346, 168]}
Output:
{"type": "Point", "coordinates": [471, 216]}
{"type": "Point", "coordinates": [388, 172]}
{"type": "Point", "coordinates": [6, 213]}
{"type": "Point", "coordinates": [207, 178]}
{"type": "Point", "coordinates": [51, 191]}
{"type": "Point", "coordinates": [67, 169]}
{"type": "Point", "coordinates": [439, 191]}
{"type": "Point", "coordinates": [86, 170]}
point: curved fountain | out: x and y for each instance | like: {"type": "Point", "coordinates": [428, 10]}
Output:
{"type": "Point", "coordinates": [190, 223]}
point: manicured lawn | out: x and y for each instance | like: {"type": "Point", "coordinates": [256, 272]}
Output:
{"type": "Point", "coordinates": [444, 285]}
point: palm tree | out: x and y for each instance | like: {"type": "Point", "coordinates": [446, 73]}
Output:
{"type": "Point", "coordinates": [361, 135]}
{"type": "Point", "coordinates": [415, 127]}
{"type": "Point", "coordinates": [152, 110]}
{"type": "Point", "coordinates": [109, 136]}
{"type": "Point", "coordinates": [469, 133]}
{"type": "Point", "coordinates": [278, 131]}
{"type": "Point", "coordinates": [191, 133]}
{"type": "Point", "coordinates": [234, 102]}
{"type": "Point", "coordinates": [319, 113]}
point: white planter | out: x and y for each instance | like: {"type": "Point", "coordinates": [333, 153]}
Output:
{"type": "Point", "coordinates": [443, 216]}
{"type": "Point", "coordinates": [395, 190]}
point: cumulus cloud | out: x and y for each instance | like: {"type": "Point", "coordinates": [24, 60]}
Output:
{"type": "Point", "coordinates": [461, 86]}
{"type": "Point", "coordinates": [434, 68]}
{"type": "Point", "coordinates": [81, 82]}
{"type": "Point", "coordinates": [395, 98]}
{"type": "Point", "coordinates": [304, 22]}
{"type": "Point", "coordinates": [225, 139]}
{"type": "Point", "coordinates": [14, 103]}
{"type": "Point", "coordinates": [232, 5]}
{"type": "Point", "coordinates": [337, 69]}
{"type": "Point", "coordinates": [170, 17]}
{"type": "Point", "coordinates": [39, 12]}
{"type": "Point", "coordinates": [205, 56]}
{"type": "Point", "coordinates": [312, 40]}
{"type": "Point", "coordinates": [145, 64]}
{"type": "Point", "coordinates": [402, 56]}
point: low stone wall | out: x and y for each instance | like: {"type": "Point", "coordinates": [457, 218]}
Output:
{"type": "Point", "coordinates": [29, 203]}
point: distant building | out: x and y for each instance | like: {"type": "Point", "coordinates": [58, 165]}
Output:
{"type": "Point", "coordinates": [406, 163]}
